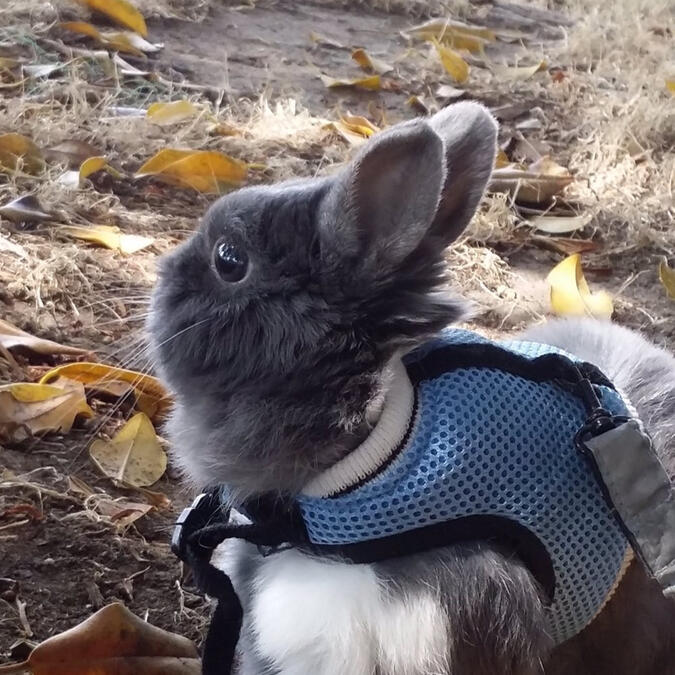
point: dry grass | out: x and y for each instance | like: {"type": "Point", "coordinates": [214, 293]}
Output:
{"type": "Point", "coordinates": [612, 123]}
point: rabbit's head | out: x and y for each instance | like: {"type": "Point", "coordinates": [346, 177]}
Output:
{"type": "Point", "coordinates": [274, 323]}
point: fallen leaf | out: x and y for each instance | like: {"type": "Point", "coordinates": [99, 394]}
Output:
{"type": "Point", "coordinates": [133, 456]}
{"type": "Point", "coordinates": [549, 167]}
{"type": "Point", "coordinates": [418, 104]}
{"type": "Point", "coordinates": [449, 93]}
{"type": "Point", "coordinates": [170, 113]}
{"type": "Point", "coordinates": [667, 278]}
{"type": "Point", "coordinates": [12, 337]}
{"type": "Point", "coordinates": [670, 86]}
{"type": "Point", "coordinates": [225, 129]}
{"type": "Point", "coordinates": [519, 73]}
{"type": "Point", "coordinates": [74, 179]}
{"type": "Point", "coordinates": [119, 40]}
{"type": "Point", "coordinates": [530, 185]}
{"type": "Point", "coordinates": [28, 409]}
{"type": "Point", "coordinates": [122, 512]}
{"type": "Point", "coordinates": [453, 63]}
{"type": "Point", "coordinates": [371, 83]}
{"type": "Point", "coordinates": [502, 160]}
{"type": "Point", "coordinates": [324, 41]}
{"type": "Point", "coordinates": [71, 153]}
{"type": "Point", "coordinates": [151, 396]}
{"type": "Point", "coordinates": [122, 12]}
{"type": "Point", "coordinates": [205, 171]}
{"type": "Point", "coordinates": [560, 224]}
{"type": "Point", "coordinates": [158, 499]}
{"type": "Point", "coordinates": [25, 209]}
{"type": "Point", "coordinates": [18, 150]}
{"type": "Point", "coordinates": [570, 294]}
{"type": "Point", "coordinates": [369, 63]}
{"type": "Point", "coordinates": [442, 29]}
{"type": "Point", "coordinates": [41, 70]}
{"type": "Point", "coordinates": [355, 129]}
{"type": "Point", "coordinates": [109, 236]}
{"type": "Point", "coordinates": [113, 641]}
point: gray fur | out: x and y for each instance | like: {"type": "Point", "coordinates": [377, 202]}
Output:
{"type": "Point", "coordinates": [273, 376]}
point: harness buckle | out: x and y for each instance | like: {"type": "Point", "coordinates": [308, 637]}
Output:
{"type": "Point", "coordinates": [192, 518]}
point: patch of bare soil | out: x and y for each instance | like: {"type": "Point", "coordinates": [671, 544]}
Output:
{"type": "Point", "coordinates": [599, 107]}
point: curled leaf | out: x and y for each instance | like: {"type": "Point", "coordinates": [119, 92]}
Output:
{"type": "Point", "coordinates": [371, 83]}
{"type": "Point", "coordinates": [151, 396]}
{"type": "Point", "coordinates": [121, 12]}
{"type": "Point", "coordinates": [519, 73]}
{"type": "Point", "coordinates": [113, 641]}
{"type": "Point", "coordinates": [445, 91]}
{"type": "Point", "coordinates": [536, 185]}
{"type": "Point", "coordinates": [453, 63]}
{"type": "Point", "coordinates": [121, 512]}
{"type": "Point", "coordinates": [133, 456]}
{"type": "Point", "coordinates": [170, 113]}
{"type": "Point", "coordinates": [667, 278]}
{"type": "Point", "coordinates": [12, 337]}
{"type": "Point", "coordinates": [560, 224]}
{"type": "Point", "coordinates": [72, 152]}
{"type": "Point", "coordinates": [17, 150]}
{"type": "Point", "coordinates": [446, 30]}
{"type": "Point", "coordinates": [570, 294]}
{"type": "Point", "coordinates": [324, 41]}
{"type": "Point", "coordinates": [109, 236]}
{"type": "Point", "coordinates": [355, 129]}
{"type": "Point", "coordinates": [369, 63]}
{"type": "Point", "coordinates": [418, 104]}
{"type": "Point", "coordinates": [25, 209]}
{"type": "Point", "coordinates": [205, 171]}
{"type": "Point", "coordinates": [28, 409]}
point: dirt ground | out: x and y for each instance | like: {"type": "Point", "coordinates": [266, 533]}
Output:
{"type": "Point", "coordinates": [599, 107]}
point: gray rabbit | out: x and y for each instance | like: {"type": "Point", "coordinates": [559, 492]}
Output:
{"type": "Point", "coordinates": [279, 327]}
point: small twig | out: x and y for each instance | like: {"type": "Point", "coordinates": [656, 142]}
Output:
{"type": "Point", "coordinates": [21, 608]}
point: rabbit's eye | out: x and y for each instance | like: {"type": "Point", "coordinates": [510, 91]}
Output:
{"type": "Point", "coordinates": [231, 262]}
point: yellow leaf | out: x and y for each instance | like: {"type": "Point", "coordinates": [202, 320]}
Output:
{"type": "Point", "coordinates": [417, 102]}
{"type": "Point", "coordinates": [122, 12]}
{"type": "Point", "coordinates": [92, 165]}
{"type": "Point", "coordinates": [453, 63]}
{"type": "Point", "coordinates": [18, 150]}
{"type": "Point", "coordinates": [12, 337]}
{"type": "Point", "coordinates": [440, 29]}
{"type": "Point", "coordinates": [133, 456]}
{"type": "Point", "coordinates": [109, 236]}
{"type": "Point", "coordinates": [570, 294]}
{"type": "Point", "coordinates": [114, 641]}
{"type": "Point", "coordinates": [83, 28]}
{"type": "Point", "coordinates": [27, 409]}
{"type": "Point", "coordinates": [170, 113]}
{"type": "Point", "coordinates": [667, 278]}
{"type": "Point", "coordinates": [501, 160]}
{"type": "Point", "coordinates": [371, 83]}
{"type": "Point", "coordinates": [520, 72]}
{"type": "Point", "coordinates": [205, 171]}
{"type": "Point", "coordinates": [151, 396]}
{"type": "Point", "coordinates": [370, 64]}
{"type": "Point", "coordinates": [469, 42]}
{"type": "Point", "coordinates": [670, 86]}
{"type": "Point", "coordinates": [361, 125]}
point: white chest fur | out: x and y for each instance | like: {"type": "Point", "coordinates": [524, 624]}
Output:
{"type": "Point", "coordinates": [310, 616]}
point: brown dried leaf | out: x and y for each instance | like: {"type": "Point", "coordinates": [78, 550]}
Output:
{"type": "Point", "coordinates": [12, 337]}
{"type": "Point", "coordinates": [114, 642]}
{"type": "Point", "coordinates": [369, 63]}
{"type": "Point", "coordinates": [17, 150]}
{"type": "Point", "coordinates": [25, 209]}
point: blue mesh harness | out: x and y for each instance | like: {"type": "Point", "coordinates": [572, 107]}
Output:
{"type": "Point", "coordinates": [495, 449]}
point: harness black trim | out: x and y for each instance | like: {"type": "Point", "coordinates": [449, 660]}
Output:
{"type": "Point", "coordinates": [278, 524]}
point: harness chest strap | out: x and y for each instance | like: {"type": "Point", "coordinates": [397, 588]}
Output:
{"type": "Point", "coordinates": [618, 452]}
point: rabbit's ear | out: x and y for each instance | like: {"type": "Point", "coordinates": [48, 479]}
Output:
{"type": "Point", "coordinates": [469, 135]}
{"type": "Point", "coordinates": [380, 206]}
